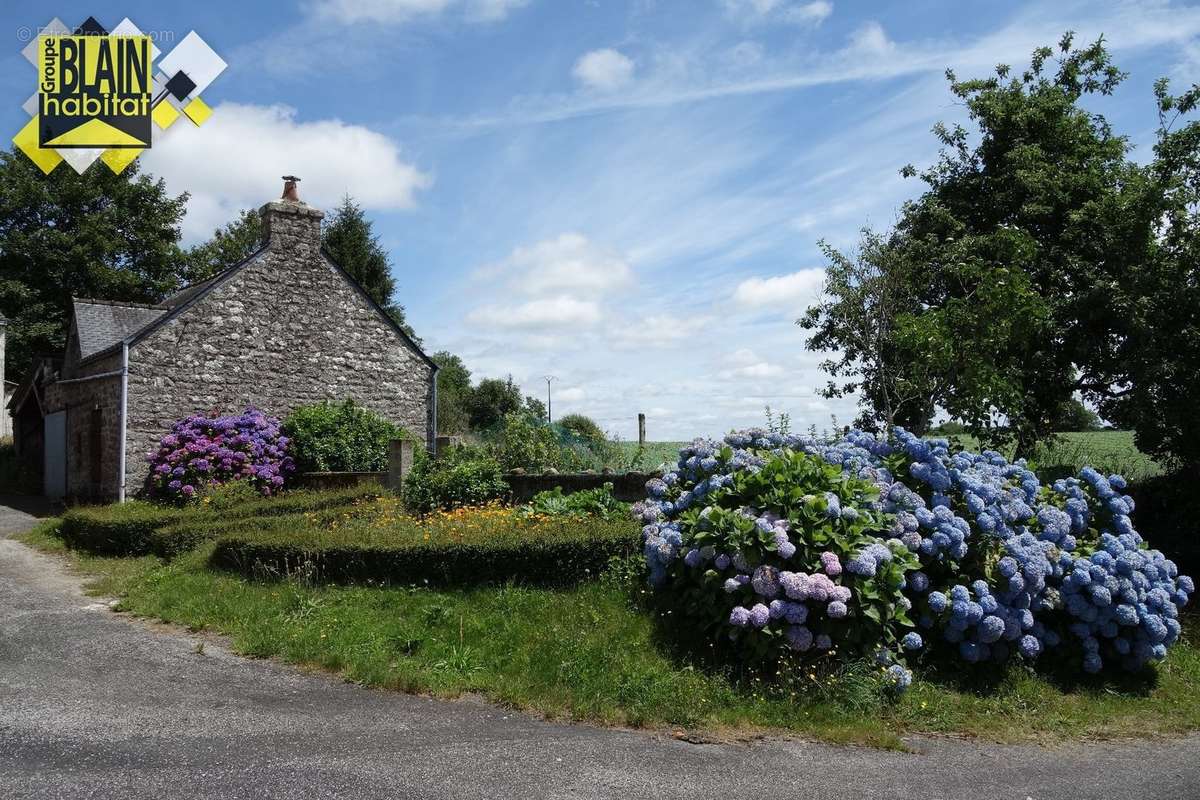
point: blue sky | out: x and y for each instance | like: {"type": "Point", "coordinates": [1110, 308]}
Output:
{"type": "Point", "coordinates": [625, 195]}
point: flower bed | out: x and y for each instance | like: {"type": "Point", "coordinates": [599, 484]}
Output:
{"type": "Point", "coordinates": [464, 546]}
{"type": "Point", "coordinates": [892, 548]}
{"type": "Point", "coordinates": [138, 528]}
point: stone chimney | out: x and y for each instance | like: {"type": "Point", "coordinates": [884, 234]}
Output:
{"type": "Point", "coordinates": [291, 224]}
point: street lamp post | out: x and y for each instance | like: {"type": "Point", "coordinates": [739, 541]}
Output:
{"type": "Point", "coordinates": [549, 415]}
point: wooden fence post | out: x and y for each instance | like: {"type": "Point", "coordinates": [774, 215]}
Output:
{"type": "Point", "coordinates": [400, 461]}
{"type": "Point", "coordinates": [641, 430]}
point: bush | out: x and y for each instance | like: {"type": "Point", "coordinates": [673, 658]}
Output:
{"type": "Point", "coordinates": [522, 442]}
{"type": "Point", "coordinates": [584, 428]}
{"type": "Point", "coordinates": [768, 547]}
{"type": "Point", "coordinates": [17, 476]}
{"type": "Point", "coordinates": [785, 542]}
{"type": "Point", "coordinates": [340, 437]}
{"type": "Point", "coordinates": [138, 528]}
{"type": "Point", "coordinates": [466, 547]}
{"type": "Point", "coordinates": [587, 503]}
{"type": "Point", "coordinates": [204, 452]}
{"type": "Point", "coordinates": [463, 476]}
{"type": "Point", "coordinates": [1168, 510]}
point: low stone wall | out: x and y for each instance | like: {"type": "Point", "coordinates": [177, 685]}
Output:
{"type": "Point", "coordinates": [627, 486]}
{"type": "Point", "coordinates": [321, 481]}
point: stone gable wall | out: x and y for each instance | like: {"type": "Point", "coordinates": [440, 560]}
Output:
{"type": "Point", "coordinates": [285, 330]}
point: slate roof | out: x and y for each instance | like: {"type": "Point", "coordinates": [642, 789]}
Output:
{"type": "Point", "coordinates": [103, 323]}
{"type": "Point", "coordinates": [131, 321]}
{"type": "Point", "coordinates": [187, 293]}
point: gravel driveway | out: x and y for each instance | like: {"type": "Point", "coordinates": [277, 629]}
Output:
{"type": "Point", "coordinates": [96, 705]}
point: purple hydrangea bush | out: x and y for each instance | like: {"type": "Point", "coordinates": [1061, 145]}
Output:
{"type": "Point", "coordinates": [778, 550]}
{"type": "Point", "coordinates": [202, 452]}
{"type": "Point", "coordinates": [899, 546]}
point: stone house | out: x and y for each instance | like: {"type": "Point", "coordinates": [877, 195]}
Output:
{"type": "Point", "coordinates": [284, 328]}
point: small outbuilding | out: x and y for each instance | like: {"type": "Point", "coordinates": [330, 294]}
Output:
{"type": "Point", "coordinates": [284, 328]}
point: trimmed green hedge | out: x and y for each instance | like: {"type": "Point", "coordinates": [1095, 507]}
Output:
{"type": "Point", "coordinates": [138, 528]}
{"type": "Point", "coordinates": [117, 530]}
{"type": "Point", "coordinates": [555, 553]}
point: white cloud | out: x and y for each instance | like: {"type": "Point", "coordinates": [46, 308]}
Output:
{"type": "Point", "coordinates": [606, 70]}
{"type": "Point", "coordinates": [563, 312]}
{"type": "Point", "coordinates": [791, 291]}
{"type": "Point", "coordinates": [235, 160]}
{"type": "Point", "coordinates": [392, 12]}
{"type": "Point", "coordinates": [745, 363]}
{"type": "Point", "coordinates": [492, 10]}
{"type": "Point", "coordinates": [571, 395]}
{"type": "Point", "coordinates": [656, 331]}
{"type": "Point", "coordinates": [566, 263]}
{"type": "Point", "coordinates": [689, 74]}
{"type": "Point", "coordinates": [556, 284]}
{"type": "Point", "coordinates": [871, 38]}
{"type": "Point", "coordinates": [756, 11]}
{"type": "Point", "coordinates": [756, 7]}
{"type": "Point", "coordinates": [743, 356]}
{"type": "Point", "coordinates": [348, 12]}
{"type": "Point", "coordinates": [809, 13]}
{"type": "Point", "coordinates": [762, 369]}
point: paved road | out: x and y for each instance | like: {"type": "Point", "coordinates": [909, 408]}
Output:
{"type": "Point", "coordinates": [95, 705]}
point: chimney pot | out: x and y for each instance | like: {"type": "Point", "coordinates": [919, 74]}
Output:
{"type": "Point", "coordinates": [290, 191]}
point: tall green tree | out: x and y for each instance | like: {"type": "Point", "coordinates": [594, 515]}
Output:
{"type": "Point", "coordinates": [1025, 224]}
{"type": "Point", "coordinates": [859, 318]}
{"type": "Point", "coordinates": [230, 245]}
{"type": "Point", "coordinates": [491, 401]}
{"type": "Point", "coordinates": [1075, 416]}
{"type": "Point", "coordinates": [1147, 373]}
{"type": "Point", "coordinates": [536, 410]}
{"type": "Point", "coordinates": [454, 393]}
{"type": "Point", "coordinates": [350, 240]}
{"type": "Point", "coordinates": [100, 235]}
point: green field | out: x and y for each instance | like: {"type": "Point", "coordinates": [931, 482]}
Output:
{"type": "Point", "coordinates": [1108, 451]}
{"type": "Point", "coordinates": [654, 455]}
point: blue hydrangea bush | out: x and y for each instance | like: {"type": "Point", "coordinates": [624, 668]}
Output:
{"type": "Point", "coordinates": [894, 547]}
